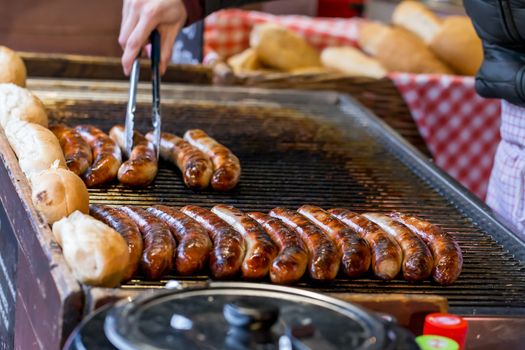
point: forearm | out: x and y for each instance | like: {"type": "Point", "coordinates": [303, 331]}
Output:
{"type": "Point", "coordinates": [198, 9]}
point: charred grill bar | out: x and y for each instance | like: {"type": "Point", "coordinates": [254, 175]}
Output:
{"type": "Point", "coordinates": [296, 148]}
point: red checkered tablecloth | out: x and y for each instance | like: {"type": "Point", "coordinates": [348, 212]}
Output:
{"type": "Point", "coordinates": [228, 32]}
{"type": "Point", "coordinates": [460, 128]}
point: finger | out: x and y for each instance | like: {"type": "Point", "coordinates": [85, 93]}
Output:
{"type": "Point", "coordinates": [146, 50]}
{"type": "Point", "coordinates": [136, 41]}
{"type": "Point", "coordinates": [168, 34]}
{"type": "Point", "coordinates": [128, 23]}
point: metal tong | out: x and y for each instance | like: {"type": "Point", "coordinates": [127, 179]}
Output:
{"type": "Point", "coordinates": [155, 103]}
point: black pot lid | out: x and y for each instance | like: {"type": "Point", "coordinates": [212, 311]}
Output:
{"type": "Point", "coordinates": [242, 316]}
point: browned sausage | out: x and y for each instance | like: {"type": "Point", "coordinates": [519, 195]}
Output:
{"type": "Point", "coordinates": [127, 228]}
{"type": "Point", "coordinates": [324, 255]}
{"type": "Point", "coordinates": [159, 245]}
{"type": "Point", "coordinates": [417, 259]}
{"type": "Point", "coordinates": [228, 245]}
{"type": "Point", "coordinates": [194, 244]}
{"type": "Point", "coordinates": [355, 252]}
{"type": "Point", "coordinates": [196, 167]}
{"type": "Point", "coordinates": [227, 168]}
{"type": "Point", "coordinates": [448, 259]}
{"type": "Point", "coordinates": [260, 250]}
{"type": "Point", "coordinates": [107, 157]}
{"type": "Point", "coordinates": [141, 167]}
{"type": "Point", "coordinates": [291, 262]}
{"type": "Point", "coordinates": [386, 253]}
{"type": "Point", "coordinates": [76, 151]}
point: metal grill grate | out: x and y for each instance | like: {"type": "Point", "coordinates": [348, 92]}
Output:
{"type": "Point", "coordinates": [312, 153]}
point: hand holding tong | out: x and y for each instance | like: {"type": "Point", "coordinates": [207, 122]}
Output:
{"type": "Point", "coordinates": [155, 103]}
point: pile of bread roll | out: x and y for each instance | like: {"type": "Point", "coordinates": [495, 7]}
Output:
{"type": "Point", "coordinates": [417, 41]}
{"type": "Point", "coordinates": [96, 253]}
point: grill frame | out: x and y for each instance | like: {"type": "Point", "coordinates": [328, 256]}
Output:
{"type": "Point", "coordinates": [465, 202]}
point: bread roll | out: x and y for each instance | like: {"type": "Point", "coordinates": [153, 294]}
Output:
{"type": "Point", "coordinates": [418, 19]}
{"type": "Point", "coordinates": [17, 103]}
{"type": "Point", "coordinates": [36, 147]}
{"type": "Point", "coordinates": [56, 193]}
{"type": "Point", "coordinates": [458, 45]}
{"type": "Point", "coordinates": [278, 47]}
{"type": "Point", "coordinates": [245, 61]}
{"type": "Point", "coordinates": [311, 70]}
{"type": "Point", "coordinates": [95, 252]}
{"type": "Point", "coordinates": [12, 68]}
{"type": "Point", "coordinates": [398, 50]}
{"type": "Point", "coordinates": [371, 36]}
{"type": "Point", "coordinates": [352, 61]}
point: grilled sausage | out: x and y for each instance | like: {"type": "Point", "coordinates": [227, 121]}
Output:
{"type": "Point", "coordinates": [355, 252]}
{"type": "Point", "coordinates": [142, 166]}
{"type": "Point", "coordinates": [196, 167]}
{"type": "Point", "coordinates": [127, 228]}
{"type": "Point", "coordinates": [386, 253]}
{"type": "Point", "coordinates": [159, 245]}
{"type": "Point", "coordinates": [76, 151]}
{"type": "Point", "coordinates": [260, 250]}
{"type": "Point", "coordinates": [448, 259]}
{"type": "Point", "coordinates": [417, 259]}
{"type": "Point", "coordinates": [227, 168]}
{"type": "Point", "coordinates": [324, 255]}
{"type": "Point", "coordinates": [107, 157]}
{"type": "Point", "coordinates": [290, 264]}
{"type": "Point", "coordinates": [194, 244]}
{"type": "Point", "coordinates": [228, 245]}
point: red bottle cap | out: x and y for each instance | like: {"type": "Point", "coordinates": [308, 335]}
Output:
{"type": "Point", "coordinates": [446, 325]}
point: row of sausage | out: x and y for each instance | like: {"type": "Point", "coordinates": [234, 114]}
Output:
{"type": "Point", "coordinates": [284, 244]}
{"type": "Point", "coordinates": [97, 157]}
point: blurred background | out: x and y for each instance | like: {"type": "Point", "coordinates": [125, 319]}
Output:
{"type": "Point", "coordinates": [91, 27]}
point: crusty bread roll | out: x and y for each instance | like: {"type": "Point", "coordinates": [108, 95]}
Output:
{"type": "Point", "coordinates": [458, 45]}
{"type": "Point", "coordinates": [311, 70]}
{"type": "Point", "coordinates": [352, 61]}
{"type": "Point", "coordinates": [280, 48]}
{"type": "Point", "coordinates": [36, 147]}
{"type": "Point", "coordinates": [398, 50]}
{"type": "Point", "coordinates": [12, 68]}
{"type": "Point", "coordinates": [417, 18]}
{"type": "Point", "coordinates": [371, 35]}
{"type": "Point", "coordinates": [17, 103]}
{"type": "Point", "coordinates": [56, 193]}
{"type": "Point", "coordinates": [245, 61]}
{"type": "Point", "coordinates": [95, 252]}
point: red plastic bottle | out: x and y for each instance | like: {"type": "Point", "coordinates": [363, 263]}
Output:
{"type": "Point", "coordinates": [446, 325]}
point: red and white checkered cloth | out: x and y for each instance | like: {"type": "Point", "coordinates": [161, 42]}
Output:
{"type": "Point", "coordinates": [459, 127]}
{"type": "Point", "coordinates": [227, 32]}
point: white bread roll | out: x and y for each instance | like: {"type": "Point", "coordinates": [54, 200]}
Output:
{"type": "Point", "coordinates": [36, 147]}
{"type": "Point", "coordinates": [371, 35]}
{"type": "Point", "coordinates": [398, 50]}
{"type": "Point", "coordinates": [352, 61]}
{"type": "Point", "coordinates": [12, 68]}
{"type": "Point", "coordinates": [245, 61]}
{"type": "Point", "coordinates": [17, 103]}
{"type": "Point", "coordinates": [95, 252]}
{"type": "Point", "coordinates": [458, 45]}
{"type": "Point", "coordinates": [278, 47]}
{"type": "Point", "coordinates": [418, 19]}
{"type": "Point", "coordinates": [56, 193]}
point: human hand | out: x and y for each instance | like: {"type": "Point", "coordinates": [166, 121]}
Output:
{"type": "Point", "coordinates": [139, 18]}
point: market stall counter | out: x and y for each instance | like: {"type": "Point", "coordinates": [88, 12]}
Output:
{"type": "Point", "coordinates": [326, 150]}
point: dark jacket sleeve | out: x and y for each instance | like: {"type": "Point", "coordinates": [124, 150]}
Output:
{"type": "Point", "coordinates": [502, 73]}
{"type": "Point", "coordinates": [198, 9]}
